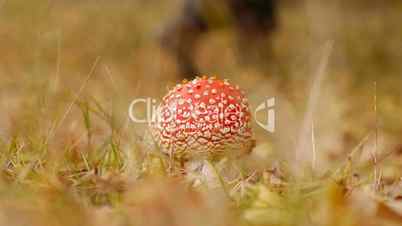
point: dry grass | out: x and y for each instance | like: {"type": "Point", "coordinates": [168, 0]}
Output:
{"type": "Point", "coordinates": [70, 156]}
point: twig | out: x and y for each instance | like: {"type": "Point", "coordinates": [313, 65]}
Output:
{"type": "Point", "coordinates": [313, 144]}
{"type": "Point", "coordinates": [377, 175]}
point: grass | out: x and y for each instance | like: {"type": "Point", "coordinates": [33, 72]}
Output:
{"type": "Point", "coordinates": [69, 155]}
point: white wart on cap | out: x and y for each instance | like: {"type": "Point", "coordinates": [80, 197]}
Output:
{"type": "Point", "coordinates": [205, 117]}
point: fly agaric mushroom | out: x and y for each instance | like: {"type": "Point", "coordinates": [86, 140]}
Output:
{"type": "Point", "coordinates": [205, 117]}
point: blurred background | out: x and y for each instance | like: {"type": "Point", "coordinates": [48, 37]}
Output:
{"type": "Point", "coordinates": [70, 69]}
{"type": "Point", "coordinates": [49, 47]}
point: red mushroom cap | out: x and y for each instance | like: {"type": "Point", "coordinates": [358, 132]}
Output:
{"type": "Point", "coordinates": [203, 116]}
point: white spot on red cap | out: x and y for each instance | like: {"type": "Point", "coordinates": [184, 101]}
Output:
{"type": "Point", "coordinates": [200, 121]}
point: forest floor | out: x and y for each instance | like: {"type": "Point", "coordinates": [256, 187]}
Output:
{"type": "Point", "coordinates": [70, 155]}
